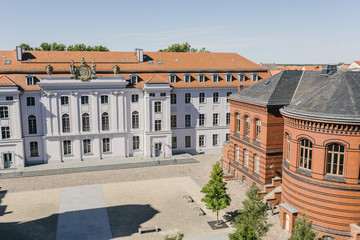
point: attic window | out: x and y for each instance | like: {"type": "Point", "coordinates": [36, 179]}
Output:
{"type": "Point", "coordinates": [254, 77]}
{"type": "Point", "coordinates": [133, 79]}
{"type": "Point", "coordinates": [241, 77]}
{"type": "Point", "coordinates": [215, 77]}
{"type": "Point", "coordinates": [172, 78]}
{"type": "Point", "coordinates": [159, 62]}
{"type": "Point", "coordinates": [201, 77]}
{"type": "Point", "coordinates": [187, 77]}
{"type": "Point", "coordinates": [30, 80]}
{"type": "Point", "coordinates": [7, 62]}
{"type": "Point", "coordinates": [228, 77]}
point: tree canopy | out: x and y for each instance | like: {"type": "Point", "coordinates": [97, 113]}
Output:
{"type": "Point", "coordinates": [62, 47]}
{"type": "Point", "coordinates": [185, 47]}
{"type": "Point", "coordinates": [302, 229]}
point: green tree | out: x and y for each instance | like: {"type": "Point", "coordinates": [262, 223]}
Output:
{"type": "Point", "coordinates": [45, 46]}
{"type": "Point", "coordinates": [185, 47]}
{"type": "Point", "coordinates": [58, 47]}
{"type": "Point", "coordinates": [216, 197]}
{"type": "Point", "coordinates": [180, 236]}
{"type": "Point", "coordinates": [302, 229]}
{"type": "Point", "coordinates": [251, 224]}
{"type": "Point", "coordinates": [77, 47]}
{"type": "Point", "coordinates": [26, 47]}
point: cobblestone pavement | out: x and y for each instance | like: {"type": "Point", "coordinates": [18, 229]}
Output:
{"type": "Point", "coordinates": [199, 172]}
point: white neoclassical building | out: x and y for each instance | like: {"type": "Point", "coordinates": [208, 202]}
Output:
{"type": "Point", "coordinates": [122, 104]}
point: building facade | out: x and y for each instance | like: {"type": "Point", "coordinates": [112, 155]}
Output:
{"type": "Point", "coordinates": [122, 104]}
{"type": "Point", "coordinates": [309, 122]}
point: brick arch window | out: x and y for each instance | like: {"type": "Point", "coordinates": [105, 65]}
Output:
{"type": "Point", "coordinates": [65, 119]}
{"type": "Point", "coordinates": [287, 151]}
{"type": "Point", "coordinates": [237, 122]}
{"type": "Point", "coordinates": [246, 158]}
{"type": "Point", "coordinates": [105, 121]}
{"type": "Point", "coordinates": [256, 163]}
{"type": "Point", "coordinates": [135, 119]}
{"type": "Point", "coordinates": [32, 124]}
{"type": "Point", "coordinates": [236, 153]}
{"type": "Point", "coordinates": [305, 153]}
{"type": "Point", "coordinates": [247, 126]}
{"type": "Point", "coordinates": [335, 159]}
{"type": "Point", "coordinates": [257, 129]}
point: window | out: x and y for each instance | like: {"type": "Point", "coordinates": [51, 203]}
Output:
{"type": "Point", "coordinates": [246, 158]}
{"type": "Point", "coordinates": [215, 139]}
{"type": "Point", "coordinates": [201, 119]}
{"type": "Point", "coordinates": [237, 123]}
{"type": "Point", "coordinates": [152, 94]}
{"type": "Point", "coordinates": [187, 97]}
{"type": "Point", "coordinates": [241, 77]}
{"type": "Point", "coordinates": [201, 140]}
{"type": "Point", "coordinates": [84, 100]}
{"type": "Point", "coordinates": [335, 159]}
{"type": "Point", "coordinates": [64, 100]}
{"type": "Point", "coordinates": [86, 146]}
{"type": "Point", "coordinates": [187, 77]}
{"type": "Point", "coordinates": [215, 118]}
{"type": "Point", "coordinates": [105, 121]}
{"type": "Point", "coordinates": [34, 151]}
{"type": "Point", "coordinates": [256, 163]}
{"type": "Point", "coordinates": [32, 124]}
{"type": "Point", "coordinates": [228, 77]}
{"type": "Point", "coordinates": [187, 141]}
{"type": "Point", "coordinates": [288, 141]}
{"type": "Point", "coordinates": [237, 153]}
{"type": "Point", "coordinates": [133, 79]}
{"type": "Point", "coordinates": [227, 137]}
{"type": "Point", "coordinates": [257, 129]}
{"type": "Point", "coordinates": [187, 120]}
{"type": "Point", "coordinates": [305, 154]}
{"type": "Point", "coordinates": [157, 107]}
{"type": "Point", "coordinates": [173, 121]}
{"type": "Point", "coordinates": [104, 99]}
{"type": "Point", "coordinates": [106, 145]}
{"type": "Point", "coordinates": [215, 97]}
{"type": "Point", "coordinates": [162, 94]}
{"type": "Point", "coordinates": [85, 122]}
{"type": "Point", "coordinates": [172, 78]}
{"type": "Point", "coordinates": [247, 126]}
{"type": "Point", "coordinates": [67, 147]}
{"type": "Point", "coordinates": [135, 119]}
{"type": "Point", "coordinates": [5, 132]}
{"type": "Point", "coordinates": [136, 142]}
{"type": "Point", "coordinates": [9, 98]}
{"type": "Point", "coordinates": [201, 97]}
{"type": "Point", "coordinates": [4, 112]}
{"type": "Point", "coordinates": [227, 95]}
{"type": "Point", "coordinates": [173, 98]}
{"type": "Point", "coordinates": [201, 77]}
{"type": "Point", "coordinates": [135, 98]}
{"type": "Point", "coordinates": [227, 118]}
{"type": "Point", "coordinates": [30, 101]}
{"type": "Point", "coordinates": [65, 119]}
{"type": "Point", "coordinates": [215, 77]}
{"type": "Point", "coordinates": [7, 62]}
{"type": "Point", "coordinates": [254, 77]}
{"type": "Point", "coordinates": [174, 142]}
{"type": "Point", "coordinates": [157, 125]}
{"type": "Point", "coordinates": [30, 80]}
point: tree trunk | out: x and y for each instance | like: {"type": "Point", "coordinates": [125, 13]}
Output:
{"type": "Point", "coordinates": [217, 218]}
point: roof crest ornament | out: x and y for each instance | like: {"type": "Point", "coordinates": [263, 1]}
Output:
{"type": "Point", "coordinates": [116, 69]}
{"type": "Point", "coordinates": [82, 71]}
{"type": "Point", "coordinates": [49, 70]}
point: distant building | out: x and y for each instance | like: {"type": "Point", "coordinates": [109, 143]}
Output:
{"type": "Point", "coordinates": [354, 66]}
{"type": "Point", "coordinates": [301, 128]}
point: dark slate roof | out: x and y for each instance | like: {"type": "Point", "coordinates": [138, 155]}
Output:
{"type": "Point", "coordinates": [276, 90]}
{"type": "Point", "coordinates": [335, 97]}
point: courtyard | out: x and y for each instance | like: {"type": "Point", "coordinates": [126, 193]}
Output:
{"type": "Point", "coordinates": [114, 203]}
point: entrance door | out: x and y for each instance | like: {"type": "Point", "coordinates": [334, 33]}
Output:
{"type": "Point", "coordinates": [157, 149]}
{"type": "Point", "coordinates": [7, 160]}
{"type": "Point", "coordinates": [287, 222]}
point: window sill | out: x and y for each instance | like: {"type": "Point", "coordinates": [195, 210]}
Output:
{"type": "Point", "coordinates": [107, 153]}
{"type": "Point", "coordinates": [88, 154]}
{"type": "Point", "coordinates": [286, 164]}
{"type": "Point", "coordinates": [257, 143]}
{"type": "Point", "coordinates": [34, 156]}
{"type": "Point", "coordinates": [246, 138]}
{"type": "Point", "coordinates": [68, 155]}
{"type": "Point", "coordinates": [255, 174]}
{"type": "Point", "coordinates": [245, 168]}
{"type": "Point", "coordinates": [334, 178]}
{"type": "Point", "coordinates": [303, 171]}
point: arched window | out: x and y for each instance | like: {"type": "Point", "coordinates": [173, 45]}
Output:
{"type": "Point", "coordinates": [257, 129]}
{"type": "Point", "coordinates": [247, 126]}
{"type": "Point", "coordinates": [246, 158]}
{"type": "Point", "coordinates": [157, 107]}
{"type": "Point", "coordinates": [105, 121]}
{"type": "Point", "coordinates": [135, 119]}
{"type": "Point", "coordinates": [65, 123]}
{"type": "Point", "coordinates": [32, 124]}
{"type": "Point", "coordinates": [305, 153]}
{"type": "Point", "coordinates": [85, 122]}
{"type": "Point", "coordinates": [335, 159]}
{"type": "Point", "coordinates": [237, 122]}
{"type": "Point", "coordinates": [288, 140]}
{"type": "Point", "coordinates": [236, 154]}
{"type": "Point", "coordinates": [256, 163]}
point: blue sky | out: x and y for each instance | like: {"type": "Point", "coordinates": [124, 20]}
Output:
{"type": "Point", "coordinates": [317, 31]}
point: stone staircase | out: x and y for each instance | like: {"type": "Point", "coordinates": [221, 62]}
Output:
{"type": "Point", "coordinates": [272, 191]}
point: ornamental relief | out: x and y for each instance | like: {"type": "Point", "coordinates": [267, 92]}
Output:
{"type": "Point", "coordinates": [83, 71]}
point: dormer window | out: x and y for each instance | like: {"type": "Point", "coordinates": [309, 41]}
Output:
{"type": "Point", "coordinates": [133, 79]}
{"type": "Point", "coordinates": [254, 77]}
{"type": "Point", "coordinates": [228, 77]}
{"type": "Point", "coordinates": [215, 77]}
{"type": "Point", "coordinates": [30, 80]}
{"type": "Point", "coordinates": [201, 77]}
{"type": "Point", "coordinates": [187, 77]}
{"type": "Point", "coordinates": [172, 78]}
{"type": "Point", "coordinates": [241, 77]}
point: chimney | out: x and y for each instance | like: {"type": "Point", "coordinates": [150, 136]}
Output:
{"type": "Point", "coordinates": [141, 55]}
{"type": "Point", "coordinates": [329, 69]}
{"type": "Point", "coordinates": [19, 53]}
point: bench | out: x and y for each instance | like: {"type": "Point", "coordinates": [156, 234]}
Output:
{"type": "Point", "coordinates": [199, 211]}
{"type": "Point", "coordinates": [188, 198]}
{"type": "Point", "coordinates": [148, 229]}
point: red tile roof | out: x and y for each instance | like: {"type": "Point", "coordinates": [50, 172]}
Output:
{"type": "Point", "coordinates": [5, 81]}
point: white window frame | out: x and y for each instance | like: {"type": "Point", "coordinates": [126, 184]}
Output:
{"type": "Point", "coordinates": [133, 78]}
{"type": "Point", "coordinates": [187, 77]}
{"type": "Point", "coordinates": [172, 78]}
{"type": "Point", "coordinates": [254, 77]}
{"type": "Point", "coordinates": [30, 80]}
{"type": "Point", "coordinates": [228, 77]}
{"type": "Point", "coordinates": [241, 77]}
{"type": "Point", "coordinates": [214, 77]}
{"type": "Point", "coordinates": [201, 140]}
{"type": "Point", "coordinates": [201, 77]}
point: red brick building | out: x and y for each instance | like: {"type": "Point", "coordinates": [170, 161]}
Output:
{"type": "Point", "coordinates": [301, 128]}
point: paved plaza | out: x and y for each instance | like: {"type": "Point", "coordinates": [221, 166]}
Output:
{"type": "Point", "coordinates": [112, 204]}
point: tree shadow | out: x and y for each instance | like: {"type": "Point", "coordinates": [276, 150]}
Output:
{"type": "Point", "coordinates": [230, 216]}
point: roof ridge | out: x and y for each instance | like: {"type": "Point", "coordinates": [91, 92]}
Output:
{"type": "Point", "coordinates": [297, 87]}
{"type": "Point", "coordinates": [351, 92]}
